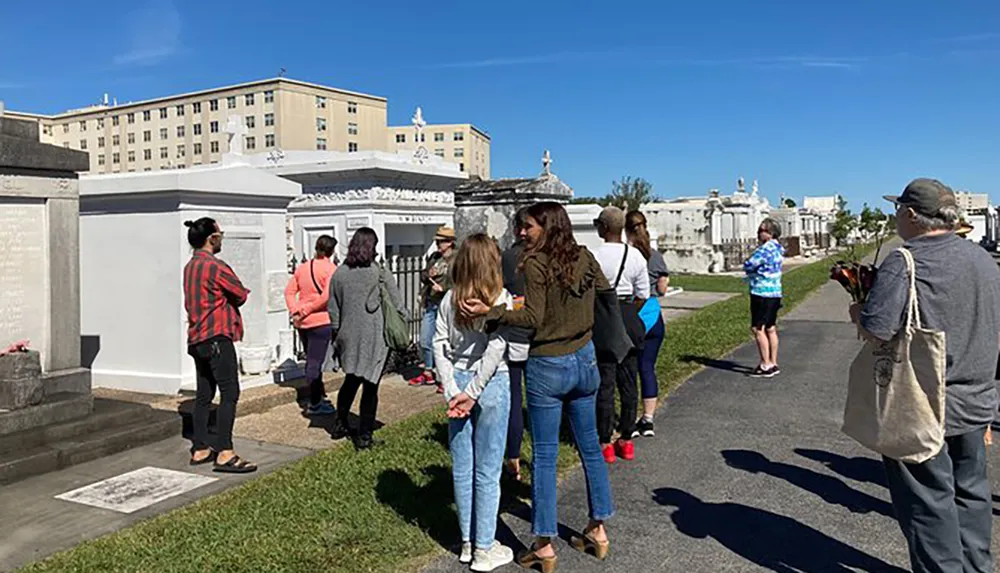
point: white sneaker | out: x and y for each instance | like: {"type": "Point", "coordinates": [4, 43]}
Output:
{"type": "Point", "coordinates": [497, 556]}
{"type": "Point", "coordinates": [466, 556]}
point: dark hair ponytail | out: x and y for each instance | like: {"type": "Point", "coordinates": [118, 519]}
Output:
{"type": "Point", "coordinates": [635, 227]}
{"type": "Point", "coordinates": [200, 230]}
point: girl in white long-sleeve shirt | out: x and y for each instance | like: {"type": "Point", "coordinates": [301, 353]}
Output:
{"type": "Point", "coordinates": [472, 369]}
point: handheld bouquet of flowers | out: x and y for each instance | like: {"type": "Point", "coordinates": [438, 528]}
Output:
{"type": "Point", "coordinates": [858, 278]}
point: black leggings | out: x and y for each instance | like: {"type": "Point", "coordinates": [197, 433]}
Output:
{"type": "Point", "coordinates": [515, 423]}
{"type": "Point", "coordinates": [622, 375]}
{"type": "Point", "coordinates": [369, 403]}
{"type": "Point", "coordinates": [217, 368]}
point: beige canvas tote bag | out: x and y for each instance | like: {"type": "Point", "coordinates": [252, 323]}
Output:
{"type": "Point", "coordinates": [895, 394]}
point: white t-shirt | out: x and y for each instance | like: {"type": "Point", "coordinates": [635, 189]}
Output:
{"type": "Point", "coordinates": [635, 279]}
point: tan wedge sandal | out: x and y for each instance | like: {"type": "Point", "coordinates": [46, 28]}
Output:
{"type": "Point", "coordinates": [588, 544]}
{"type": "Point", "coordinates": [529, 560]}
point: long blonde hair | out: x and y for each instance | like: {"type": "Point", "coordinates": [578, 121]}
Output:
{"type": "Point", "coordinates": [476, 273]}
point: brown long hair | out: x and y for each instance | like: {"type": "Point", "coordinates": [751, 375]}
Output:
{"type": "Point", "coordinates": [638, 233]}
{"type": "Point", "coordinates": [557, 240]}
{"type": "Point", "coordinates": [475, 273]}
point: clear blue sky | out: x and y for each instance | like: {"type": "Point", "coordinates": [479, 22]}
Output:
{"type": "Point", "coordinates": [852, 96]}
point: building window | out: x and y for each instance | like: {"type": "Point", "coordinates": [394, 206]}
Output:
{"type": "Point", "coordinates": [251, 121]}
{"type": "Point", "coordinates": [248, 99]}
{"type": "Point", "coordinates": [461, 167]}
{"type": "Point", "coordinates": [213, 127]}
{"type": "Point", "coordinates": [116, 140]}
{"type": "Point", "coordinates": [213, 105]}
{"type": "Point", "coordinates": [422, 138]}
{"type": "Point", "coordinates": [163, 113]}
{"type": "Point", "coordinates": [439, 152]}
{"type": "Point", "coordinates": [400, 138]}
{"type": "Point", "coordinates": [352, 107]}
{"type": "Point", "coordinates": [131, 156]}
{"type": "Point", "coordinates": [352, 147]}
{"type": "Point", "coordinates": [47, 130]}
{"type": "Point", "coordinates": [459, 136]}
{"type": "Point", "coordinates": [180, 110]}
{"type": "Point", "coordinates": [100, 123]}
{"type": "Point", "coordinates": [147, 154]}
{"type": "Point", "coordinates": [100, 141]}
{"type": "Point", "coordinates": [459, 152]}
{"type": "Point", "coordinates": [268, 119]}
{"type": "Point", "coordinates": [197, 128]}
{"type": "Point", "coordinates": [320, 124]}
{"type": "Point", "coordinates": [100, 159]}
{"type": "Point", "coordinates": [131, 138]}
{"type": "Point", "coordinates": [438, 137]}
{"type": "Point", "coordinates": [320, 102]}
{"type": "Point", "coordinates": [66, 144]}
{"type": "Point", "coordinates": [116, 158]}
{"type": "Point", "coordinates": [180, 151]}
{"type": "Point", "coordinates": [83, 144]}
{"type": "Point", "coordinates": [163, 133]}
{"type": "Point", "coordinates": [352, 129]}
{"type": "Point", "coordinates": [196, 107]}
{"type": "Point", "coordinates": [214, 147]}
{"type": "Point", "coordinates": [145, 115]}
{"type": "Point", "coordinates": [65, 128]}
{"type": "Point", "coordinates": [269, 140]}
{"type": "Point", "coordinates": [231, 102]}
{"type": "Point", "coordinates": [180, 131]}
{"type": "Point", "coordinates": [130, 118]}
{"type": "Point", "coordinates": [147, 136]}
{"type": "Point", "coordinates": [114, 121]}
{"type": "Point", "coordinates": [251, 142]}
{"type": "Point", "coordinates": [321, 143]}
{"type": "Point", "coordinates": [197, 149]}
{"type": "Point", "coordinates": [164, 153]}
{"type": "Point", "coordinates": [269, 96]}
{"type": "Point", "coordinates": [83, 125]}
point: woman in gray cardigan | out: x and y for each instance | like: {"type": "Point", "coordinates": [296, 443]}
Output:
{"type": "Point", "coordinates": [355, 304]}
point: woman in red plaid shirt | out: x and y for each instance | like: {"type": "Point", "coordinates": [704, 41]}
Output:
{"type": "Point", "coordinates": [212, 297]}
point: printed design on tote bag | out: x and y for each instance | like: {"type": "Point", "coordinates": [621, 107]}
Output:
{"type": "Point", "coordinates": [886, 359]}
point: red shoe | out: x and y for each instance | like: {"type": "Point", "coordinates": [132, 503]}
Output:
{"type": "Point", "coordinates": [419, 380]}
{"type": "Point", "coordinates": [625, 449]}
{"type": "Point", "coordinates": [609, 453]}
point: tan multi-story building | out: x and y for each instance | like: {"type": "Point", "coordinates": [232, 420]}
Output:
{"type": "Point", "coordinates": [459, 143]}
{"type": "Point", "coordinates": [190, 129]}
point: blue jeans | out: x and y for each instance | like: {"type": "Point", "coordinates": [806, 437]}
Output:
{"type": "Point", "coordinates": [427, 327]}
{"type": "Point", "coordinates": [554, 382]}
{"type": "Point", "coordinates": [477, 445]}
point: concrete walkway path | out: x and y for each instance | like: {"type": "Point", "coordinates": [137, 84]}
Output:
{"type": "Point", "coordinates": [745, 474]}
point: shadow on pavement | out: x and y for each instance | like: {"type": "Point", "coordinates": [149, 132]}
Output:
{"type": "Point", "coordinates": [728, 365]}
{"type": "Point", "coordinates": [861, 469]}
{"type": "Point", "coordinates": [829, 488]}
{"type": "Point", "coordinates": [772, 541]}
{"type": "Point", "coordinates": [426, 505]}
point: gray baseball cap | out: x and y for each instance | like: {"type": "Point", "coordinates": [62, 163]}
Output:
{"type": "Point", "coordinates": [925, 196]}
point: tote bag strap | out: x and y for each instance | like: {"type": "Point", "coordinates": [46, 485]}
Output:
{"type": "Point", "coordinates": [913, 316]}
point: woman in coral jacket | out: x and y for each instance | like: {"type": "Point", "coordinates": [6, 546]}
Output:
{"type": "Point", "coordinates": [306, 296]}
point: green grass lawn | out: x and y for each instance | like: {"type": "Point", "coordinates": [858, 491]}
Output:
{"type": "Point", "coordinates": [712, 283]}
{"type": "Point", "coordinates": [388, 509]}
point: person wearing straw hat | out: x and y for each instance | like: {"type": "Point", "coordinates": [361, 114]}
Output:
{"type": "Point", "coordinates": [435, 281]}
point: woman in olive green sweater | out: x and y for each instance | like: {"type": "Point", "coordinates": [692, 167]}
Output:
{"type": "Point", "coordinates": [561, 279]}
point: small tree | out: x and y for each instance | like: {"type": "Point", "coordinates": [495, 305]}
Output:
{"type": "Point", "coordinates": [844, 223]}
{"type": "Point", "coordinates": [630, 194]}
{"type": "Point", "coordinates": [790, 203]}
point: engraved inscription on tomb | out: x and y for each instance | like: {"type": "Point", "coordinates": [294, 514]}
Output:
{"type": "Point", "coordinates": [245, 256]}
{"type": "Point", "coordinates": [227, 219]}
{"type": "Point", "coordinates": [22, 272]}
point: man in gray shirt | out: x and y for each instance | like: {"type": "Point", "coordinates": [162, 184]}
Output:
{"type": "Point", "coordinates": [944, 505]}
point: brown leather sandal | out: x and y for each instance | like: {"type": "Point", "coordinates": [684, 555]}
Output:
{"type": "Point", "coordinates": [529, 559]}
{"type": "Point", "coordinates": [588, 544]}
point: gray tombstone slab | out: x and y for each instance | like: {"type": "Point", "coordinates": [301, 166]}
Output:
{"type": "Point", "coordinates": [39, 267]}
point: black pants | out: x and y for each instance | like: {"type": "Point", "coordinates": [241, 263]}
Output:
{"type": "Point", "coordinates": [316, 343]}
{"type": "Point", "coordinates": [216, 366]}
{"type": "Point", "coordinates": [369, 403]}
{"type": "Point", "coordinates": [945, 507]}
{"type": "Point", "coordinates": [624, 376]}
{"type": "Point", "coordinates": [515, 423]}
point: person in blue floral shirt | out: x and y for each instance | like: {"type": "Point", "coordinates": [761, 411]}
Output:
{"type": "Point", "coordinates": [763, 272]}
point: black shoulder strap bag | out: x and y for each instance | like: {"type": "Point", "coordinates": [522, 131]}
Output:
{"type": "Point", "coordinates": [630, 308]}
